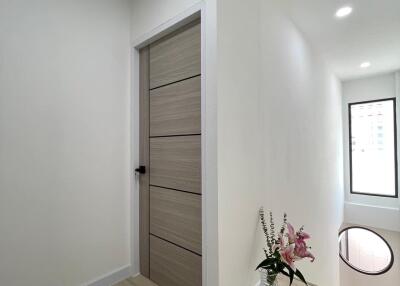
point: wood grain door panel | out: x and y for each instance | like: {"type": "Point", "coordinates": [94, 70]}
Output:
{"type": "Point", "coordinates": [175, 162]}
{"type": "Point", "coordinates": [176, 109]}
{"type": "Point", "coordinates": [176, 216]}
{"type": "Point", "coordinates": [170, 150]}
{"type": "Point", "coordinates": [176, 57]}
{"type": "Point", "coordinates": [144, 179]}
{"type": "Point", "coordinates": [171, 265]}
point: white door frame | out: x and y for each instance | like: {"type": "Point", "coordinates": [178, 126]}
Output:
{"type": "Point", "coordinates": [208, 131]}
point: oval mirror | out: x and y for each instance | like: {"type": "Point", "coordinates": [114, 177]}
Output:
{"type": "Point", "coordinates": [365, 251]}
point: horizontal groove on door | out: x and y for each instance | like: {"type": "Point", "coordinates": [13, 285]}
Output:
{"type": "Point", "coordinates": [171, 265]}
{"type": "Point", "coordinates": [197, 194]}
{"type": "Point", "coordinates": [167, 84]}
{"type": "Point", "coordinates": [175, 135]}
{"type": "Point", "coordinates": [176, 217]}
{"type": "Point", "coordinates": [176, 109]}
{"type": "Point", "coordinates": [175, 163]}
{"type": "Point", "coordinates": [166, 240]}
{"type": "Point", "coordinates": [176, 56]}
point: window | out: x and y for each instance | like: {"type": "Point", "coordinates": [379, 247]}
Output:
{"type": "Point", "coordinates": [365, 250]}
{"type": "Point", "coordinates": [373, 148]}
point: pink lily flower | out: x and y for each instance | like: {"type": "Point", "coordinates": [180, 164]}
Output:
{"type": "Point", "coordinates": [301, 249]}
{"type": "Point", "coordinates": [288, 256]}
{"type": "Point", "coordinates": [303, 252]}
{"type": "Point", "coordinates": [303, 235]}
{"type": "Point", "coordinates": [291, 234]}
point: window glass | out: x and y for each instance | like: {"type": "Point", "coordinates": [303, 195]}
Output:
{"type": "Point", "coordinates": [373, 158]}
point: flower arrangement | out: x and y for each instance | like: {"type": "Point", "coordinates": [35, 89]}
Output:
{"type": "Point", "coordinates": [283, 249]}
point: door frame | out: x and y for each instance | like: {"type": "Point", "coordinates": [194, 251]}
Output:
{"type": "Point", "coordinates": [208, 138]}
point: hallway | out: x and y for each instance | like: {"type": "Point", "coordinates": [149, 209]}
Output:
{"type": "Point", "coordinates": [140, 138]}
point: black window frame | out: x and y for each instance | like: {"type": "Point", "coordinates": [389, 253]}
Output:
{"type": "Point", "coordinates": [396, 195]}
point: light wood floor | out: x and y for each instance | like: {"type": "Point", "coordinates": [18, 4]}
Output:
{"type": "Point", "coordinates": [136, 281]}
{"type": "Point", "coordinates": [142, 281]}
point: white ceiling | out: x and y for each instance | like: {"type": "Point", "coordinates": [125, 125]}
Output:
{"type": "Point", "coordinates": [371, 33]}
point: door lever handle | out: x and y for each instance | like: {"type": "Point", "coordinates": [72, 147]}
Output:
{"type": "Point", "coordinates": [141, 170]}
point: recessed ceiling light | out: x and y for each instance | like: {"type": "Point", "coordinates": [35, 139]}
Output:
{"type": "Point", "coordinates": [343, 12]}
{"type": "Point", "coordinates": [365, 65]}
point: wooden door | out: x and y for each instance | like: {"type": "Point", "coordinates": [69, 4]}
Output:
{"type": "Point", "coordinates": [170, 149]}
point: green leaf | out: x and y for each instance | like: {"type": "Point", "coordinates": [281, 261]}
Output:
{"type": "Point", "coordinates": [266, 263]}
{"type": "Point", "coordinates": [301, 277]}
{"type": "Point", "coordinates": [291, 272]}
{"type": "Point", "coordinates": [281, 268]}
{"type": "Point", "coordinates": [288, 267]}
{"type": "Point", "coordinates": [291, 277]}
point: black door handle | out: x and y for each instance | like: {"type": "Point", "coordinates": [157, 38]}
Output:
{"type": "Point", "coordinates": [141, 170]}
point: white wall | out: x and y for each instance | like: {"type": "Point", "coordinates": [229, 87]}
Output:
{"type": "Point", "coordinates": [279, 140]}
{"type": "Point", "coordinates": [239, 146]}
{"type": "Point", "coordinates": [64, 140]}
{"type": "Point", "coordinates": [149, 14]}
{"type": "Point", "coordinates": [349, 277]}
{"type": "Point", "coordinates": [302, 136]}
{"type": "Point", "coordinates": [368, 210]}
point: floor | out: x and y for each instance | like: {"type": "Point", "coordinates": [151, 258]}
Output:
{"type": "Point", "coordinates": [142, 281]}
{"type": "Point", "coordinates": [137, 281]}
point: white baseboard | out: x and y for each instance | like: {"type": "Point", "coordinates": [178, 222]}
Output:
{"type": "Point", "coordinates": [112, 278]}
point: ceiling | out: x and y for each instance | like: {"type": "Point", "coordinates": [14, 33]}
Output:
{"type": "Point", "coordinates": [371, 33]}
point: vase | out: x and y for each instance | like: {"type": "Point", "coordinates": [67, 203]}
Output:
{"type": "Point", "coordinates": [268, 278]}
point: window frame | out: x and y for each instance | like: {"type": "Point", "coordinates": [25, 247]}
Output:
{"type": "Point", "coordinates": [393, 99]}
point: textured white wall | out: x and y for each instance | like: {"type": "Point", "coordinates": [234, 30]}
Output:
{"type": "Point", "coordinates": [239, 147]}
{"type": "Point", "coordinates": [302, 139]}
{"type": "Point", "coordinates": [148, 14]}
{"type": "Point", "coordinates": [64, 140]}
{"type": "Point", "coordinates": [279, 139]}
